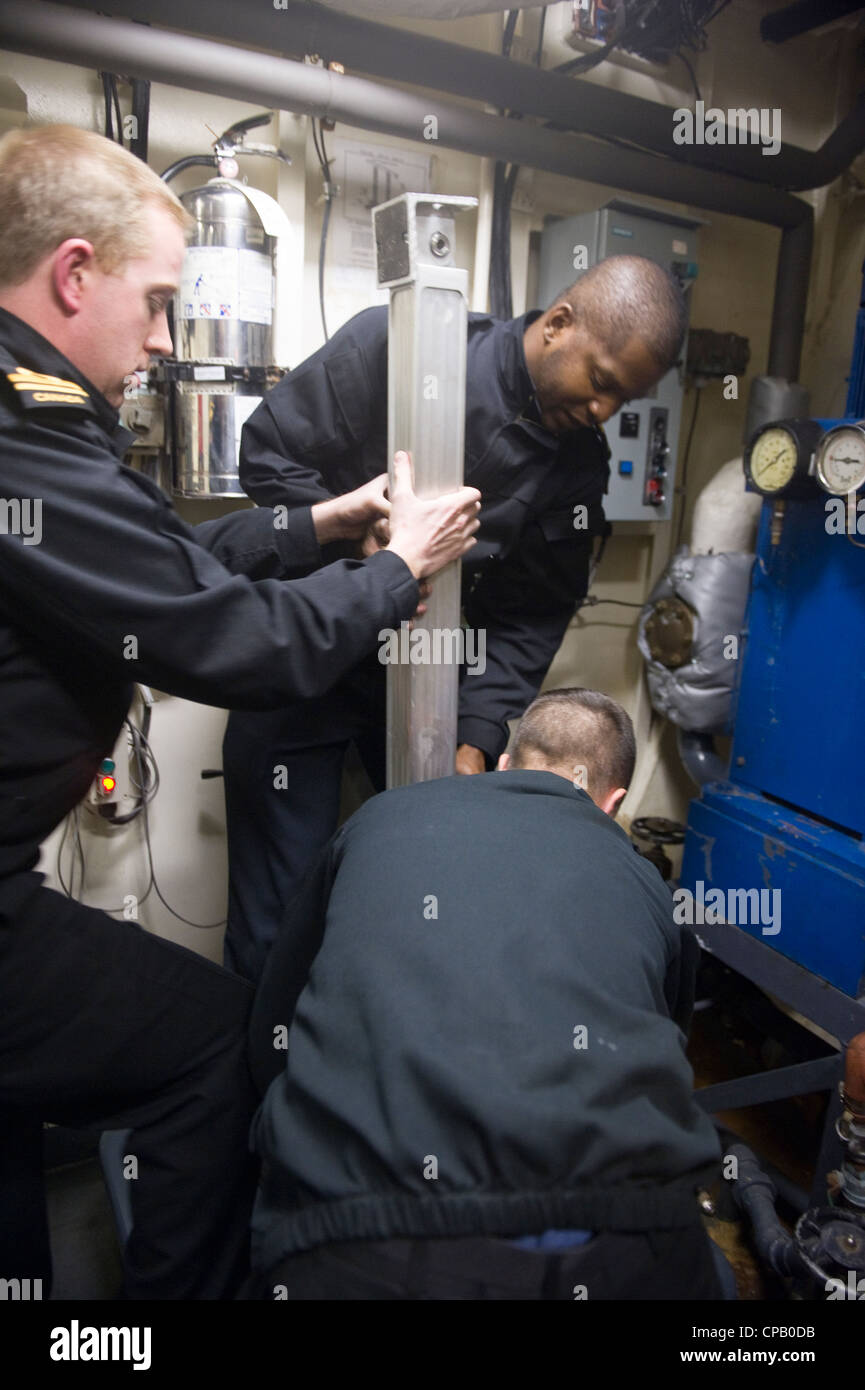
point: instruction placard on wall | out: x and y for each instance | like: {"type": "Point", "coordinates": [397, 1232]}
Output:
{"type": "Point", "coordinates": [366, 175]}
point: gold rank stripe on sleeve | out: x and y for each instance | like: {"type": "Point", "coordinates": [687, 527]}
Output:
{"type": "Point", "coordinates": [46, 388]}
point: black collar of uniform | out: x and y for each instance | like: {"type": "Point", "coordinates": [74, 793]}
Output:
{"type": "Point", "coordinates": [24, 350]}
{"type": "Point", "coordinates": [522, 781]}
{"type": "Point", "coordinates": [516, 379]}
{"type": "Point", "coordinates": [514, 376]}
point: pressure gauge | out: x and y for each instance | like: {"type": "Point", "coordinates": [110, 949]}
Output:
{"type": "Point", "coordinates": [840, 466]}
{"type": "Point", "coordinates": [778, 458]}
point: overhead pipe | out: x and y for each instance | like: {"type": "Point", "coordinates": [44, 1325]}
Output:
{"type": "Point", "coordinates": [297, 27]}
{"type": "Point", "coordinates": [792, 276]}
{"type": "Point", "coordinates": [54, 31]}
{"type": "Point", "coordinates": [77, 36]}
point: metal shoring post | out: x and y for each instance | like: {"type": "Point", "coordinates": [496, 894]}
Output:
{"type": "Point", "coordinates": [427, 327]}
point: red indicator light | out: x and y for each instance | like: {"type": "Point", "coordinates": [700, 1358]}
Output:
{"type": "Point", "coordinates": [107, 784]}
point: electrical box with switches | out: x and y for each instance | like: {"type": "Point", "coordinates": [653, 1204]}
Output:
{"type": "Point", "coordinates": [111, 792]}
{"type": "Point", "coordinates": [644, 435]}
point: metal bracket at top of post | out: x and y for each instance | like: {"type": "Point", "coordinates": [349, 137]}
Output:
{"type": "Point", "coordinates": [427, 332]}
{"type": "Point", "coordinates": [412, 230]}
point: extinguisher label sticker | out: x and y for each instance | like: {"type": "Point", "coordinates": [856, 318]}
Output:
{"type": "Point", "coordinates": [255, 287]}
{"type": "Point", "coordinates": [226, 282]}
{"type": "Point", "coordinates": [209, 282]}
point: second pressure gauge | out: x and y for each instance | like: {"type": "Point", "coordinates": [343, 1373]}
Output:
{"type": "Point", "coordinates": [778, 458]}
{"type": "Point", "coordinates": [840, 462]}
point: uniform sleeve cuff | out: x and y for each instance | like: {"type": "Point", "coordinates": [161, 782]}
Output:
{"type": "Point", "coordinates": [404, 588]}
{"type": "Point", "coordinates": [296, 540]}
{"type": "Point", "coordinates": [490, 738]}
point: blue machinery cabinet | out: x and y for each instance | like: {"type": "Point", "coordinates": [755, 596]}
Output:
{"type": "Point", "coordinates": [793, 816]}
{"type": "Point", "coordinates": [816, 875]}
{"type": "Point", "coordinates": [791, 819]}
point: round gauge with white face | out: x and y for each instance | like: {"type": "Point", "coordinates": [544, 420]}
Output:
{"type": "Point", "coordinates": [778, 458]}
{"type": "Point", "coordinates": [840, 463]}
{"type": "Point", "coordinates": [773, 459]}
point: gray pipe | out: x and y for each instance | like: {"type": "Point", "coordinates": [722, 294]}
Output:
{"type": "Point", "coordinates": [755, 1196]}
{"type": "Point", "coordinates": [298, 28]}
{"type": "Point", "coordinates": [773, 398]}
{"type": "Point", "coordinates": [702, 763]}
{"type": "Point", "coordinates": [55, 31]}
{"type": "Point", "coordinates": [791, 292]}
{"type": "Point", "coordinates": [137, 50]}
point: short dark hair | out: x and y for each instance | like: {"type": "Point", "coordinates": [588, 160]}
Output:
{"type": "Point", "coordinates": [624, 297]}
{"type": "Point", "coordinates": [577, 727]}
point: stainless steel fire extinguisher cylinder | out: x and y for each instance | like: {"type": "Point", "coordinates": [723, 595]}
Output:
{"type": "Point", "coordinates": [223, 318]}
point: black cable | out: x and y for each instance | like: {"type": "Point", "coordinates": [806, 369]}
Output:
{"type": "Point", "coordinates": [509, 30]}
{"type": "Point", "coordinates": [693, 75]}
{"type": "Point", "coordinates": [655, 30]}
{"type": "Point", "coordinates": [66, 824]}
{"type": "Point", "coordinates": [318, 149]}
{"type": "Point", "coordinates": [77, 850]}
{"type": "Point", "coordinates": [540, 48]}
{"type": "Point", "coordinates": [325, 221]}
{"type": "Point", "coordinates": [501, 298]}
{"type": "Point", "coordinates": [684, 474]}
{"type": "Point", "coordinates": [116, 99]}
{"type": "Point", "coordinates": [597, 557]}
{"type": "Point", "coordinates": [322, 252]}
{"type": "Point", "coordinates": [150, 884]}
{"type": "Point", "coordinates": [590, 602]}
{"type": "Point", "coordinates": [587, 61]}
{"type": "Point", "coordinates": [204, 926]}
{"type": "Point", "coordinates": [141, 114]}
{"type": "Point", "coordinates": [70, 821]}
{"type": "Point", "coordinates": [80, 849]}
{"type": "Point", "coordinates": [504, 183]}
{"type": "Point", "coordinates": [106, 93]}
{"type": "Point", "coordinates": [148, 783]}
{"type": "Point", "coordinates": [147, 778]}
{"type": "Point", "coordinates": [209, 161]}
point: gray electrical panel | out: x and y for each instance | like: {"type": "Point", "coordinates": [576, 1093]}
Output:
{"type": "Point", "coordinates": [644, 435]}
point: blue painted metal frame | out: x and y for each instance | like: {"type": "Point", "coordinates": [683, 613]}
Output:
{"type": "Point", "coordinates": [801, 697]}
{"type": "Point", "coordinates": [810, 996]}
{"type": "Point", "coordinates": [798, 739]}
{"type": "Point", "coordinates": [738, 839]}
{"type": "Point", "coordinates": [793, 816]}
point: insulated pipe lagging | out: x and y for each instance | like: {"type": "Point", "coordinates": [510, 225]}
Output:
{"type": "Point", "coordinates": [77, 36]}
{"type": "Point", "coordinates": [191, 161]}
{"type": "Point", "coordinates": [792, 275]}
{"type": "Point", "coordinates": [138, 50]}
{"type": "Point", "coordinates": [297, 28]}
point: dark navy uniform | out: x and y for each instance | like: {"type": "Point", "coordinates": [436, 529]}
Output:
{"type": "Point", "coordinates": [101, 1023]}
{"type": "Point", "coordinates": [497, 1054]}
{"type": "Point", "coordinates": [323, 431]}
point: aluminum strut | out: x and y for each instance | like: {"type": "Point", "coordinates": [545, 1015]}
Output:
{"type": "Point", "coordinates": [427, 327]}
